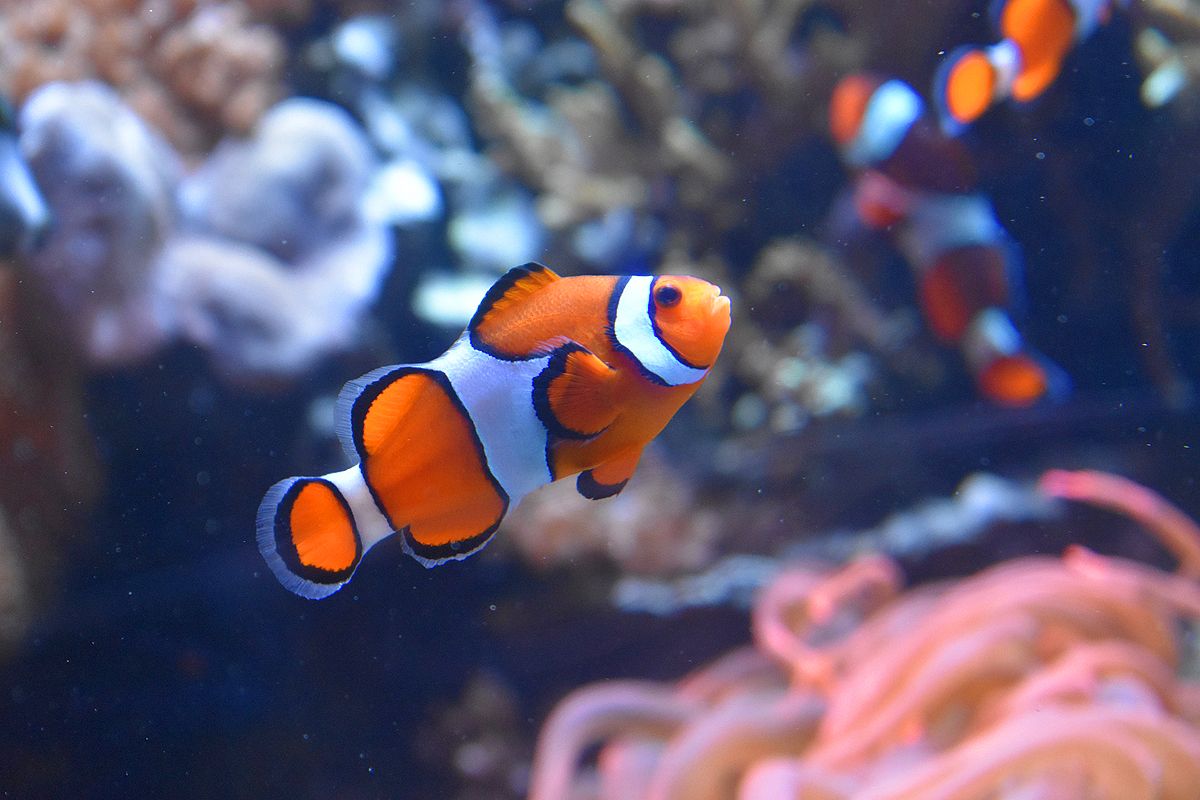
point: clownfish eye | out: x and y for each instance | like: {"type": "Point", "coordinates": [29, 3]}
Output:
{"type": "Point", "coordinates": [666, 295]}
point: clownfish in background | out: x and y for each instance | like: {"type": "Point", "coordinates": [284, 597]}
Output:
{"type": "Point", "coordinates": [552, 377]}
{"type": "Point", "coordinates": [1036, 36]}
{"type": "Point", "coordinates": [919, 186]}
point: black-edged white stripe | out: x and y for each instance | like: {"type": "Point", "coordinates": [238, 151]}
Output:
{"type": "Point", "coordinates": [939, 223]}
{"type": "Point", "coordinates": [1005, 58]}
{"type": "Point", "coordinates": [990, 336]}
{"type": "Point", "coordinates": [634, 332]}
{"type": "Point", "coordinates": [890, 112]}
{"type": "Point", "coordinates": [498, 396]}
{"type": "Point", "coordinates": [370, 522]}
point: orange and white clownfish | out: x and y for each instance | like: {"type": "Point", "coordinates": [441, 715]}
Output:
{"type": "Point", "coordinates": [919, 185]}
{"type": "Point", "coordinates": [552, 377]}
{"type": "Point", "coordinates": [1036, 36]}
{"type": "Point", "coordinates": [965, 265]}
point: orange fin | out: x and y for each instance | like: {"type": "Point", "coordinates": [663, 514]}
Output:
{"type": "Point", "coordinates": [574, 396]}
{"type": "Point", "coordinates": [307, 534]}
{"type": "Point", "coordinates": [385, 410]}
{"type": "Point", "coordinates": [609, 478]}
{"type": "Point", "coordinates": [514, 287]}
{"type": "Point", "coordinates": [425, 465]}
{"type": "Point", "coordinates": [1016, 381]}
{"type": "Point", "coordinates": [1032, 82]}
{"type": "Point", "coordinates": [964, 87]}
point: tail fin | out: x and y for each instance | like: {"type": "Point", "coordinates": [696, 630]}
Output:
{"type": "Point", "coordinates": [1016, 380]}
{"type": "Point", "coordinates": [308, 536]}
{"type": "Point", "coordinates": [964, 88]}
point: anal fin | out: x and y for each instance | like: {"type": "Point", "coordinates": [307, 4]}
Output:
{"type": "Point", "coordinates": [609, 478]}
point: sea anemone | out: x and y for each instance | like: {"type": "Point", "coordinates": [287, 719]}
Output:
{"type": "Point", "coordinates": [1037, 677]}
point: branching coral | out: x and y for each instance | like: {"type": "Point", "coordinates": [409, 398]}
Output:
{"type": "Point", "coordinates": [684, 140]}
{"type": "Point", "coordinates": [194, 69]}
{"type": "Point", "coordinates": [1040, 677]}
{"type": "Point", "coordinates": [660, 138]}
{"type": "Point", "coordinates": [815, 369]}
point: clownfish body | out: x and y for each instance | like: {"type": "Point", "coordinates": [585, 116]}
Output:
{"type": "Point", "coordinates": [1036, 36]}
{"type": "Point", "coordinates": [966, 268]}
{"type": "Point", "coordinates": [918, 185]}
{"type": "Point", "coordinates": [553, 377]}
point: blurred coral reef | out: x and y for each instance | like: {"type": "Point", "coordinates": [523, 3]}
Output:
{"type": "Point", "coordinates": [193, 69]}
{"type": "Point", "coordinates": [279, 215]}
{"type": "Point", "coordinates": [1037, 677]}
{"type": "Point", "coordinates": [653, 527]}
{"type": "Point", "coordinates": [110, 184]}
{"type": "Point", "coordinates": [139, 255]}
{"type": "Point", "coordinates": [484, 736]}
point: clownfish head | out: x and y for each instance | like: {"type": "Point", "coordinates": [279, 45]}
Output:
{"type": "Point", "coordinates": [690, 316]}
{"type": "Point", "coordinates": [672, 326]}
{"type": "Point", "coordinates": [869, 117]}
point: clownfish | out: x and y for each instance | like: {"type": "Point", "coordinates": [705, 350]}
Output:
{"type": "Point", "coordinates": [552, 377]}
{"type": "Point", "coordinates": [965, 265]}
{"type": "Point", "coordinates": [919, 185]}
{"type": "Point", "coordinates": [1036, 36]}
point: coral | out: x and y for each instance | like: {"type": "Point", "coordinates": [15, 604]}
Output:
{"type": "Point", "coordinates": [668, 162]}
{"type": "Point", "coordinates": [980, 502]}
{"type": "Point", "coordinates": [1036, 677]}
{"type": "Point", "coordinates": [279, 215]}
{"type": "Point", "coordinates": [799, 354]}
{"type": "Point", "coordinates": [195, 69]}
{"type": "Point", "coordinates": [264, 256]}
{"type": "Point", "coordinates": [109, 182]}
{"type": "Point", "coordinates": [651, 528]}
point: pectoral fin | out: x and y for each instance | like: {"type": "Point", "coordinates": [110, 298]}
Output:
{"type": "Point", "coordinates": [574, 396]}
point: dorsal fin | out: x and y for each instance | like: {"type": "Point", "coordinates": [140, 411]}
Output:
{"type": "Point", "coordinates": [514, 286]}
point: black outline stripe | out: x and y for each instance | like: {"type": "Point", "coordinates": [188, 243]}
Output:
{"type": "Point", "coordinates": [285, 546]}
{"type": "Point", "coordinates": [500, 288]}
{"type": "Point", "coordinates": [430, 555]}
{"type": "Point", "coordinates": [555, 368]}
{"type": "Point", "coordinates": [587, 485]}
{"type": "Point", "coordinates": [653, 312]}
{"type": "Point", "coordinates": [611, 329]}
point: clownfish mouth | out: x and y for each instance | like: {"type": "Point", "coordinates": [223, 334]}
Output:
{"type": "Point", "coordinates": [720, 309]}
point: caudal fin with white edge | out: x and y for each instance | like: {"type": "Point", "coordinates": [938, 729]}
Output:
{"type": "Point", "coordinates": [964, 88]}
{"type": "Point", "coordinates": [308, 536]}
